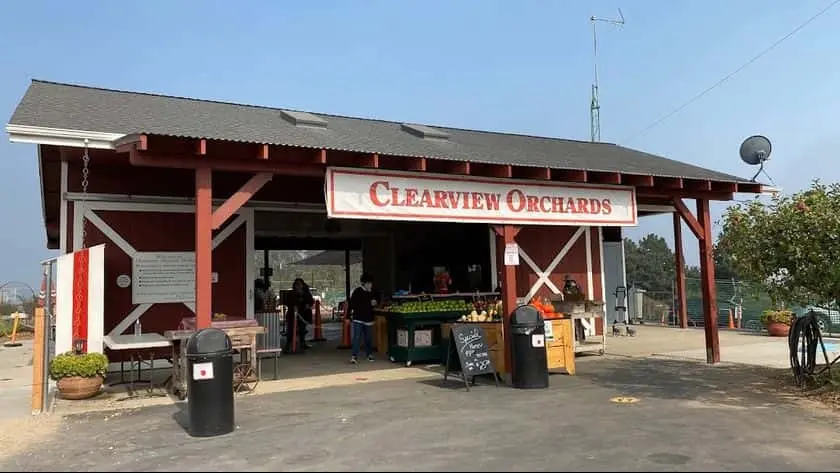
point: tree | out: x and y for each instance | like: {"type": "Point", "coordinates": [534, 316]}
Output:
{"type": "Point", "coordinates": [788, 247]}
{"type": "Point", "coordinates": [649, 263]}
{"type": "Point", "coordinates": [723, 264]}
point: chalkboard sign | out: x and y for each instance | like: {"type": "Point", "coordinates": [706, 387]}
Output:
{"type": "Point", "coordinates": [468, 354]}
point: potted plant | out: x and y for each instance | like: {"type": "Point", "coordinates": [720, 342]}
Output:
{"type": "Point", "coordinates": [777, 321]}
{"type": "Point", "coordinates": [79, 375]}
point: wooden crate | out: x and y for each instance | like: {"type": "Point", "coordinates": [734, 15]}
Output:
{"type": "Point", "coordinates": [560, 350]}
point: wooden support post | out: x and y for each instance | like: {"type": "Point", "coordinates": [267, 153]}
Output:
{"type": "Point", "coordinates": [203, 247]}
{"type": "Point", "coordinates": [266, 269]}
{"type": "Point", "coordinates": [681, 299]}
{"type": "Point", "coordinates": [707, 283]}
{"type": "Point", "coordinates": [508, 235]}
{"type": "Point", "coordinates": [346, 340]}
{"type": "Point", "coordinates": [38, 361]}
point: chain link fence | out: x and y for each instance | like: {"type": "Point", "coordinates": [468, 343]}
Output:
{"type": "Point", "coordinates": [657, 307]}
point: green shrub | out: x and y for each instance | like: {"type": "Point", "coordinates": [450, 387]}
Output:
{"type": "Point", "coordinates": [777, 316]}
{"type": "Point", "coordinates": [86, 365]}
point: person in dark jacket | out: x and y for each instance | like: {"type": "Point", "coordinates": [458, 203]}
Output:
{"type": "Point", "coordinates": [362, 302]}
{"type": "Point", "coordinates": [299, 303]}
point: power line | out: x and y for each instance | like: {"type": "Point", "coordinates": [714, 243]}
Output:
{"type": "Point", "coordinates": [733, 73]}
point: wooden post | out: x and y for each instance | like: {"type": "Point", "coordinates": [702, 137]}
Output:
{"type": "Point", "coordinates": [203, 247]}
{"type": "Point", "coordinates": [38, 367]}
{"type": "Point", "coordinates": [679, 262]}
{"type": "Point", "coordinates": [266, 267]}
{"type": "Point", "coordinates": [508, 235]}
{"type": "Point", "coordinates": [707, 283]}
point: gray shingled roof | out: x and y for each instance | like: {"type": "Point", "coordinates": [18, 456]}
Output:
{"type": "Point", "coordinates": [54, 105]}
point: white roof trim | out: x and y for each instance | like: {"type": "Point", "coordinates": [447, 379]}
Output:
{"type": "Point", "coordinates": [771, 190]}
{"type": "Point", "coordinates": [62, 137]}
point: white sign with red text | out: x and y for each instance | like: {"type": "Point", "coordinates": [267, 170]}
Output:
{"type": "Point", "coordinates": [397, 195]}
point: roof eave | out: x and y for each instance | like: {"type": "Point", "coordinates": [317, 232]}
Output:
{"type": "Point", "coordinates": [62, 137]}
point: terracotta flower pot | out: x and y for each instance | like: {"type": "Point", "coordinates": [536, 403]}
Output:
{"type": "Point", "coordinates": [77, 387]}
{"type": "Point", "coordinates": [778, 330]}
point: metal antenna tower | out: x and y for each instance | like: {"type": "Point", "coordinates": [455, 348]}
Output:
{"type": "Point", "coordinates": [595, 106]}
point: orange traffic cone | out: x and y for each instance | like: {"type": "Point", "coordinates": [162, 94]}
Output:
{"type": "Point", "coordinates": [346, 341]}
{"type": "Point", "coordinates": [317, 330]}
{"type": "Point", "coordinates": [731, 320]}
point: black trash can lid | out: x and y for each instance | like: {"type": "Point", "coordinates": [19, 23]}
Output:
{"type": "Point", "coordinates": [209, 341]}
{"type": "Point", "coordinates": [526, 315]}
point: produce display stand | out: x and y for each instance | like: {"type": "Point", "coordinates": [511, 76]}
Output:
{"type": "Point", "coordinates": [415, 336]}
{"type": "Point", "coordinates": [589, 343]}
{"type": "Point", "coordinates": [406, 329]}
{"type": "Point", "coordinates": [451, 295]}
{"type": "Point", "coordinates": [577, 310]}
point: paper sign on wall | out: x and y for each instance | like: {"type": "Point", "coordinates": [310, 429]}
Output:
{"type": "Point", "coordinates": [511, 254]}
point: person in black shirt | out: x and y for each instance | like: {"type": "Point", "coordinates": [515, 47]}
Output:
{"type": "Point", "coordinates": [299, 303]}
{"type": "Point", "coordinates": [362, 303]}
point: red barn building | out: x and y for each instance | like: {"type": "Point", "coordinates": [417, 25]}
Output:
{"type": "Point", "coordinates": [193, 185]}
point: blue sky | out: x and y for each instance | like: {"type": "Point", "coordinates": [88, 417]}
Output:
{"type": "Point", "coordinates": [518, 66]}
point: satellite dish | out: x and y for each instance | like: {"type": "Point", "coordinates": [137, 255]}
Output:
{"type": "Point", "coordinates": [755, 150]}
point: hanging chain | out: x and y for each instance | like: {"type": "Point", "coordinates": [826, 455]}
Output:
{"type": "Point", "coordinates": [85, 173]}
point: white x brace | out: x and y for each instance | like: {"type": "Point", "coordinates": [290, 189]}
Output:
{"type": "Point", "coordinates": [90, 215]}
{"type": "Point", "coordinates": [543, 277]}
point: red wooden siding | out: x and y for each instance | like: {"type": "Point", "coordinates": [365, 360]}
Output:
{"type": "Point", "coordinates": [542, 244]}
{"type": "Point", "coordinates": [158, 231]}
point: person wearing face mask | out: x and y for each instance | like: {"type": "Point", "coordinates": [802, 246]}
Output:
{"type": "Point", "coordinates": [362, 303]}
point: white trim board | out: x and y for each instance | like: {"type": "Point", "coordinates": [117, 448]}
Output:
{"type": "Point", "coordinates": [494, 276]}
{"type": "Point", "coordinates": [62, 211]}
{"type": "Point", "coordinates": [590, 279]}
{"type": "Point", "coordinates": [114, 200]}
{"type": "Point", "coordinates": [62, 137]}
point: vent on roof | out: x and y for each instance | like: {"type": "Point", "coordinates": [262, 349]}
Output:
{"type": "Point", "coordinates": [424, 131]}
{"type": "Point", "coordinates": [303, 119]}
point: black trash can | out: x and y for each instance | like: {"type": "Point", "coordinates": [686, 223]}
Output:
{"type": "Point", "coordinates": [528, 353]}
{"type": "Point", "coordinates": [210, 383]}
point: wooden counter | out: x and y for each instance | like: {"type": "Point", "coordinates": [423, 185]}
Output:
{"type": "Point", "coordinates": [380, 334]}
{"type": "Point", "coordinates": [559, 344]}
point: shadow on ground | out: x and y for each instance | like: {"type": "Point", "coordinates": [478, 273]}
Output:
{"type": "Point", "coordinates": [690, 380]}
{"type": "Point", "coordinates": [689, 417]}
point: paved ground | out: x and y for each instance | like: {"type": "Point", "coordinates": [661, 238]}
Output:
{"type": "Point", "coordinates": [15, 380]}
{"type": "Point", "coordinates": [689, 417]}
{"type": "Point", "coordinates": [742, 347]}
